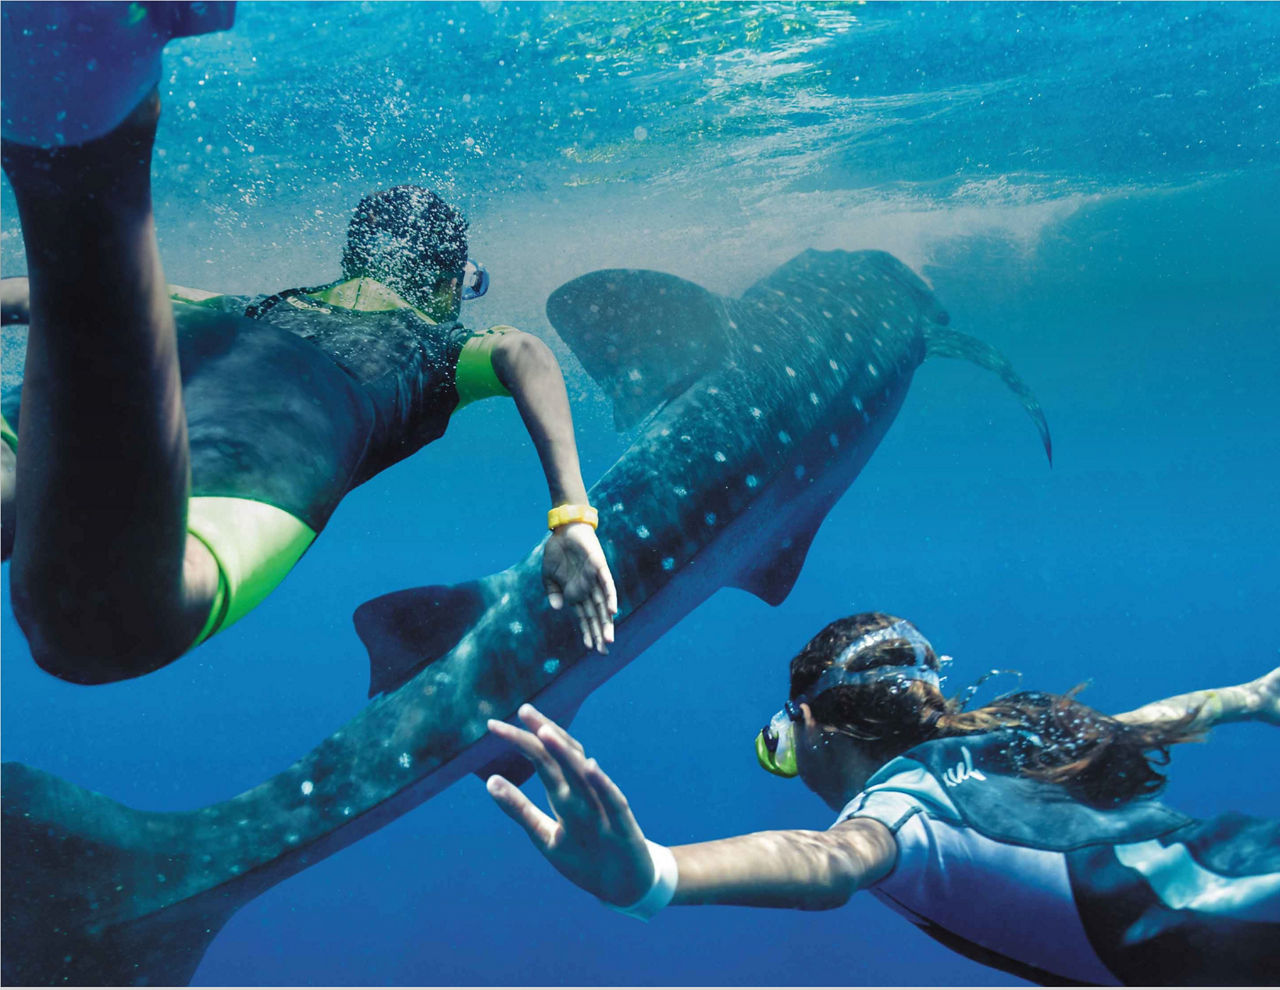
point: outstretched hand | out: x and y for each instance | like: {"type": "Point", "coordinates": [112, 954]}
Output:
{"type": "Point", "coordinates": [593, 840]}
{"type": "Point", "coordinates": [1266, 693]}
{"type": "Point", "coordinates": [575, 572]}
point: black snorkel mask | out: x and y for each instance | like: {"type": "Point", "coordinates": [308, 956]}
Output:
{"type": "Point", "coordinates": [475, 281]}
{"type": "Point", "coordinates": [776, 743]}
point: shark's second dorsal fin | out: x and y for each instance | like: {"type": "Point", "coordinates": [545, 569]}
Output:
{"type": "Point", "coordinates": [406, 630]}
{"type": "Point", "coordinates": [644, 336]}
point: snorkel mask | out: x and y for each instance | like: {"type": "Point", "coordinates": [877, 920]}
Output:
{"type": "Point", "coordinates": [776, 743]}
{"type": "Point", "coordinates": [475, 281]}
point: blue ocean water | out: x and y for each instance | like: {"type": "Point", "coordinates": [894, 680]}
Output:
{"type": "Point", "coordinates": [1092, 189]}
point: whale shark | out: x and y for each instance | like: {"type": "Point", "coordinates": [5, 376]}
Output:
{"type": "Point", "coordinates": [752, 415]}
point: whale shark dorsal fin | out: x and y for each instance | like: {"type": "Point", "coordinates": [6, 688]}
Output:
{"type": "Point", "coordinates": [644, 336]}
{"type": "Point", "coordinates": [406, 630]}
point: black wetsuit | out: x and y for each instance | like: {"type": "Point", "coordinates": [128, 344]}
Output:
{"type": "Point", "coordinates": [296, 408]}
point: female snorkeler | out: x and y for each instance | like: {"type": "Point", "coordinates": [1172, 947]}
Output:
{"type": "Point", "coordinates": [1023, 834]}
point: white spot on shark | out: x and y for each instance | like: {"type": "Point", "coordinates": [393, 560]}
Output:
{"type": "Point", "coordinates": [833, 440]}
{"type": "Point", "coordinates": [875, 372]}
{"type": "Point", "coordinates": [617, 506]}
{"type": "Point", "coordinates": [346, 810]}
{"type": "Point", "coordinates": [642, 532]}
{"type": "Point", "coordinates": [755, 412]}
{"type": "Point", "coordinates": [291, 838]}
{"type": "Point", "coordinates": [668, 563]}
{"type": "Point", "coordinates": [634, 374]}
{"type": "Point", "coordinates": [506, 598]}
{"type": "Point", "coordinates": [680, 491]}
{"type": "Point", "coordinates": [307, 787]}
{"type": "Point", "coordinates": [857, 403]}
{"type": "Point", "coordinates": [719, 456]}
{"type": "Point", "coordinates": [405, 761]}
{"type": "Point", "coordinates": [713, 391]}
{"type": "Point", "coordinates": [848, 336]}
{"type": "Point", "coordinates": [551, 665]}
{"type": "Point", "coordinates": [710, 517]}
{"type": "Point", "coordinates": [834, 365]}
{"type": "Point", "coordinates": [791, 372]}
{"type": "Point", "coordinates": [757, 348]}
{"type": "Point", "coordinates": [784, 436]}
{"type": "Point", "coordinates": [752, 481]}
{"type": "Point", "coordinates": [516, 628]}
{"type": "Point", "coordinates": [813, 397]}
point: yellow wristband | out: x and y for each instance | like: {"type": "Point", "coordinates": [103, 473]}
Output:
{"type": "Point", "coordinates": [563, 514]}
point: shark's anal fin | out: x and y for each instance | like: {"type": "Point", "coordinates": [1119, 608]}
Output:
{"type": "Point", "coordinates": [515, 767]}
{"type": "Point", "coordinates": [643, 336]}
{"type": "Point", "coordinates": [406, 630]}
{"type": "Point", "coordinates": [943, 342]}
{"type": "Point", "coordinates": [772, 579]}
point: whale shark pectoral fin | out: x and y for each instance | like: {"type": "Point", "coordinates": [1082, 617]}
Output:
{"type": "Point", "coordinates": [511, 764]}
{"type": "Point", "coordinates": [772, 579]}
{"type": "Point", "coordinates": [406, 630]}
{"type": "Point", "coordinates": [643, 336]}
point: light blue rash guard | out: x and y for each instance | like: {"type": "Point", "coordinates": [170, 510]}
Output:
{"type": "Point", "coordinates": [1017, 874]}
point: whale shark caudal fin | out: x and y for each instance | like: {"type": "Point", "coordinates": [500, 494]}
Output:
{"type": "Point", "coordinates": [93, 892]}
{"type": "Point", "coordinates": [643, 336]}
{"type": "Point", "coordinates": [406, 630]}
{"type": "Point", "coordinates": [944, 342]}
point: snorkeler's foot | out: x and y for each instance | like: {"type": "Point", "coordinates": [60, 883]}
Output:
{"type": "Point", "coordinates": [117, 163]}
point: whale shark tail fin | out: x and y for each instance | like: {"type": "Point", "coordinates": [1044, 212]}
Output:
{"type": "Point", "coordinates": [644, 336]}
{"type": "Point", "coordinates": [406, 630]}
{"type": "Point", "coordinates": [943, 342]}
{"type": "Point", "coordinates": [94, 891]}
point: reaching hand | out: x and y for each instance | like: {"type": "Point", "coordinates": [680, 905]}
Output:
{"type": "Point", "coordinates": [1266, 694]}
{"type": "Point", "coordinates": [593, 840]}
{"type": "Point", "coordinates": [575, 572]}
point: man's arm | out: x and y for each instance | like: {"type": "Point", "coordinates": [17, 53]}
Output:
{"type": "Point", "coordinates": [595, 842]}
{"type": "Point", "coordinates": [1256, 701]}
{"type": "Point", "coordinates": [574, 568]}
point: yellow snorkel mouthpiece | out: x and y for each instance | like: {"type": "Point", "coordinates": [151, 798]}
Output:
{"type": "Point", "coordinates": [775, 746]}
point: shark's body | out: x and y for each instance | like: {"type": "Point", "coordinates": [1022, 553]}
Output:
{"type": "Point", "coordinates": [767, 407]}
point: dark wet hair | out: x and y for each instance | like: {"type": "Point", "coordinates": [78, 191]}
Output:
{"type": "Point", "coordinates": [1098, 759]}
{"type": "Point", "coordinates": [405, 237]}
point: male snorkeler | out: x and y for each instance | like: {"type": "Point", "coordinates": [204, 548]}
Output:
{"type": "Point", "coordinates": [1022, 834]}
{"type": "Point", "coordinates": [180, 451]}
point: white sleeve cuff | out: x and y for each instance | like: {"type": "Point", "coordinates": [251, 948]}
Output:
{"type": "Point", "coordinates": [665, 877]}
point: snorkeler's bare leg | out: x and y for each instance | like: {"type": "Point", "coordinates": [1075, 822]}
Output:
{"type": "Point", "coordinates": [8, 469]}
{"type": "Point", "coordinates": [106, 582]}
{"type": "Point", "coordinates": [1256, 701]}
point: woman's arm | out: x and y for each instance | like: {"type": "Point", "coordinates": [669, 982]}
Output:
{"type": "Point", "coordinates": [595, 842]}
{"type": "Point", "coordinates": [15, 300]}
{"type": "Point", "coordinates": [1256, 701]}
{"type": "Point", "coordinates": [574, 569]}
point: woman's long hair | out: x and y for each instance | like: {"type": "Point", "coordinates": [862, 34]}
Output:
{"type": "Point", "coordinates": [1099, 760]}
